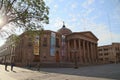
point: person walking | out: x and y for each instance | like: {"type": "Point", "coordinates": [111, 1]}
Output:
{"type": "Point", "coordinates": [6, 64]}
{"type": "Point", "coordinates": [12, 65]}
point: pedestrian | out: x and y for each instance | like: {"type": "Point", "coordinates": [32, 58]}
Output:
{"type": "Point", "coordinates": [6, 64]}
{"type": "Point", "coordinates": [12, 65]}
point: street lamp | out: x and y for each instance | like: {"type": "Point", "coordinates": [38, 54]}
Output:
{"type": "Point", "coordinates": [75, 58]}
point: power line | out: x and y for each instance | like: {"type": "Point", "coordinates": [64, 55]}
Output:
{"type": "Point", "coordinates": [109, 25]}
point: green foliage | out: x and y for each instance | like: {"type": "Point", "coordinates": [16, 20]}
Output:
{"type": "Point", "coordinates": [26, 14]}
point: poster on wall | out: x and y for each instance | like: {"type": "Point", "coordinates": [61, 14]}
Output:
{"type": "Point", "coordinates": [52, 44]}
{"type": "Point", "coordinates": [36, 45]}
{"type": "Point", "coordinates": [63, 45]}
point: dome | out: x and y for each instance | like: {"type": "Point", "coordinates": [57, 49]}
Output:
{"type": "Point", "coordinates": [64, 30]}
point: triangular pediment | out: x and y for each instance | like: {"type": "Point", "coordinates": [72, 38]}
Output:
{"type": "Point", "coordinates": [89, 34]}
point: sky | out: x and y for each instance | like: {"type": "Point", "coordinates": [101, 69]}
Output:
{"type": "Point", "coordinates": [101, 17]}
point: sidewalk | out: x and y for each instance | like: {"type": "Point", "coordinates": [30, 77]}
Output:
{"type": "Point", "coordinates": [17, 73]}
{"type": "Point", "coordinates": [5, 77]}
{"type": "Point", "coordinates": [101, 72]}
{"type": "Point", "coordinates": [3, 74]}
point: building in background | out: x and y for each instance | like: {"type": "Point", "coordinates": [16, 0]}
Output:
{"type": "Point", "coordinates": [109, 53]}
{"type": "Point", "coordinates": [7, 51]}
{"type": "Point", "coordinates": [55, 48]}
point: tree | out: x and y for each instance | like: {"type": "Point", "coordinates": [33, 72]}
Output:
{"type": "Point", "coordinates": [25, 14]}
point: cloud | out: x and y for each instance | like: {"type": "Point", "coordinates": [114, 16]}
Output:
{"type": "Point", "coordinates": [58, 22]}
{"type": "Point", "coordinates": [103, 33]}
{"type": "Point", "coordinates": [87, 3]}
{"type": "Point", "coordinates": [61, 0]}
{"type": "Point", "coordinates": [117, 1]}
{"type": "Point", "coordinates": [108, 38]}
{"type": "Point", "coordinates": [88, 11]}
{"type": "Point", "coordinates": [48, 1]}
{"type": "Point", "coordinates": [74, 5]}
{"type": "Point", "coordinates": [102, 1]}
{"type": "Point", "coordinates": [54, 9]}
{"type": "Point", "coordinates": [116, 14]}
{"type": "Point", "coordinates": [55, 24]}
{"type": "Point", "coordinates": [56, 6]}
{"type": "Point", "coordinates": [115, 37]}
{"type": "Point", "coordinates": [73, 17]}
{"type": "Point", "coordinates": [84, 21]}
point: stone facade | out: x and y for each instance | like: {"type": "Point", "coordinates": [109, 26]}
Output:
{"type": "Point", "coordinates": [109, 53]}
{"type": "Point", "coordinates": [60, 47]}
{"type": "Point", "coordinates": [85, 44]}
{"type": "Point", "coordinates": [7, 51]}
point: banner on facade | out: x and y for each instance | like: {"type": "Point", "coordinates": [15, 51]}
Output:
{"type": "Point", "coordinates": [36, 45]}
{"type": "Point", "coordinates": [52, 44]}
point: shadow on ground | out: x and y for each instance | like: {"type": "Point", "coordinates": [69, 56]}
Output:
{"type": "Point", "coordinates": [109, 71]}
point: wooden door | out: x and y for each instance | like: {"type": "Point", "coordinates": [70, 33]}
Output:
{"type": "Point", "coordinates": [57, 56]}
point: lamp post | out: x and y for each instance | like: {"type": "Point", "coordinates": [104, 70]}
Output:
{"type": "Point", "coordinates": [75, 58]}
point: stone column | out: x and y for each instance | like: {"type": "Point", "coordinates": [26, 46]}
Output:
{"type": "Point", "coordinates": [80, 52]}
{"type": "Point", "coordinates": [68, 52]}
{"type": "Point", "coordinates": [75, 44]}
{"type": "Point", "coordinates": [95, 52]}
{"type": "Point", "coordinates": [84, 51]}
{"type": "Point", "coordinates": [91, 46]}
{"type": "Point", "coordinates": [75, 54]}
{"type": "Point", "coordinates": [88, 52]}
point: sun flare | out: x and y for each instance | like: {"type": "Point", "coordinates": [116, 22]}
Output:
{"type": "Point", "coordinates": [1, 21]}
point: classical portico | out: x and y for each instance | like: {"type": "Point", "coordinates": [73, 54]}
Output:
{"type": "Point", "coordinates": [85, 44]}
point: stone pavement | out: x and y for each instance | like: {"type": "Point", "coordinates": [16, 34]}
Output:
{"type": "Point", "coordinates": [101, 72]}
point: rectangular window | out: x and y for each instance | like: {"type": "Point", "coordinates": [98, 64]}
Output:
{"type": "Point", "coordinates": [99, 49]}
{"type": "Point", "coordinates": [106, 59]}
{"type": "Point", "coordinates": [105, 49]}
{"type": "Point", "coordinates": [105, 53]}
{"type": "Point", "coordinates": [101, 59]}
{"type": "Point", "coordinates": [100, 54]}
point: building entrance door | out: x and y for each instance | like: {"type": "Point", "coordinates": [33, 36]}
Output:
{"type": "Point", "coordinates": [57, 56]}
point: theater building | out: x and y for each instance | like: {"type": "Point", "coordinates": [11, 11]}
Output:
{"type": "Point", "coordinates": [109, 53]}
{"type": "Point", "coordinates": [61, 47]}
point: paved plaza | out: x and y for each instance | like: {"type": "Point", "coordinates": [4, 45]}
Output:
{"type": "Point", "coordinates": [99, 72]}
